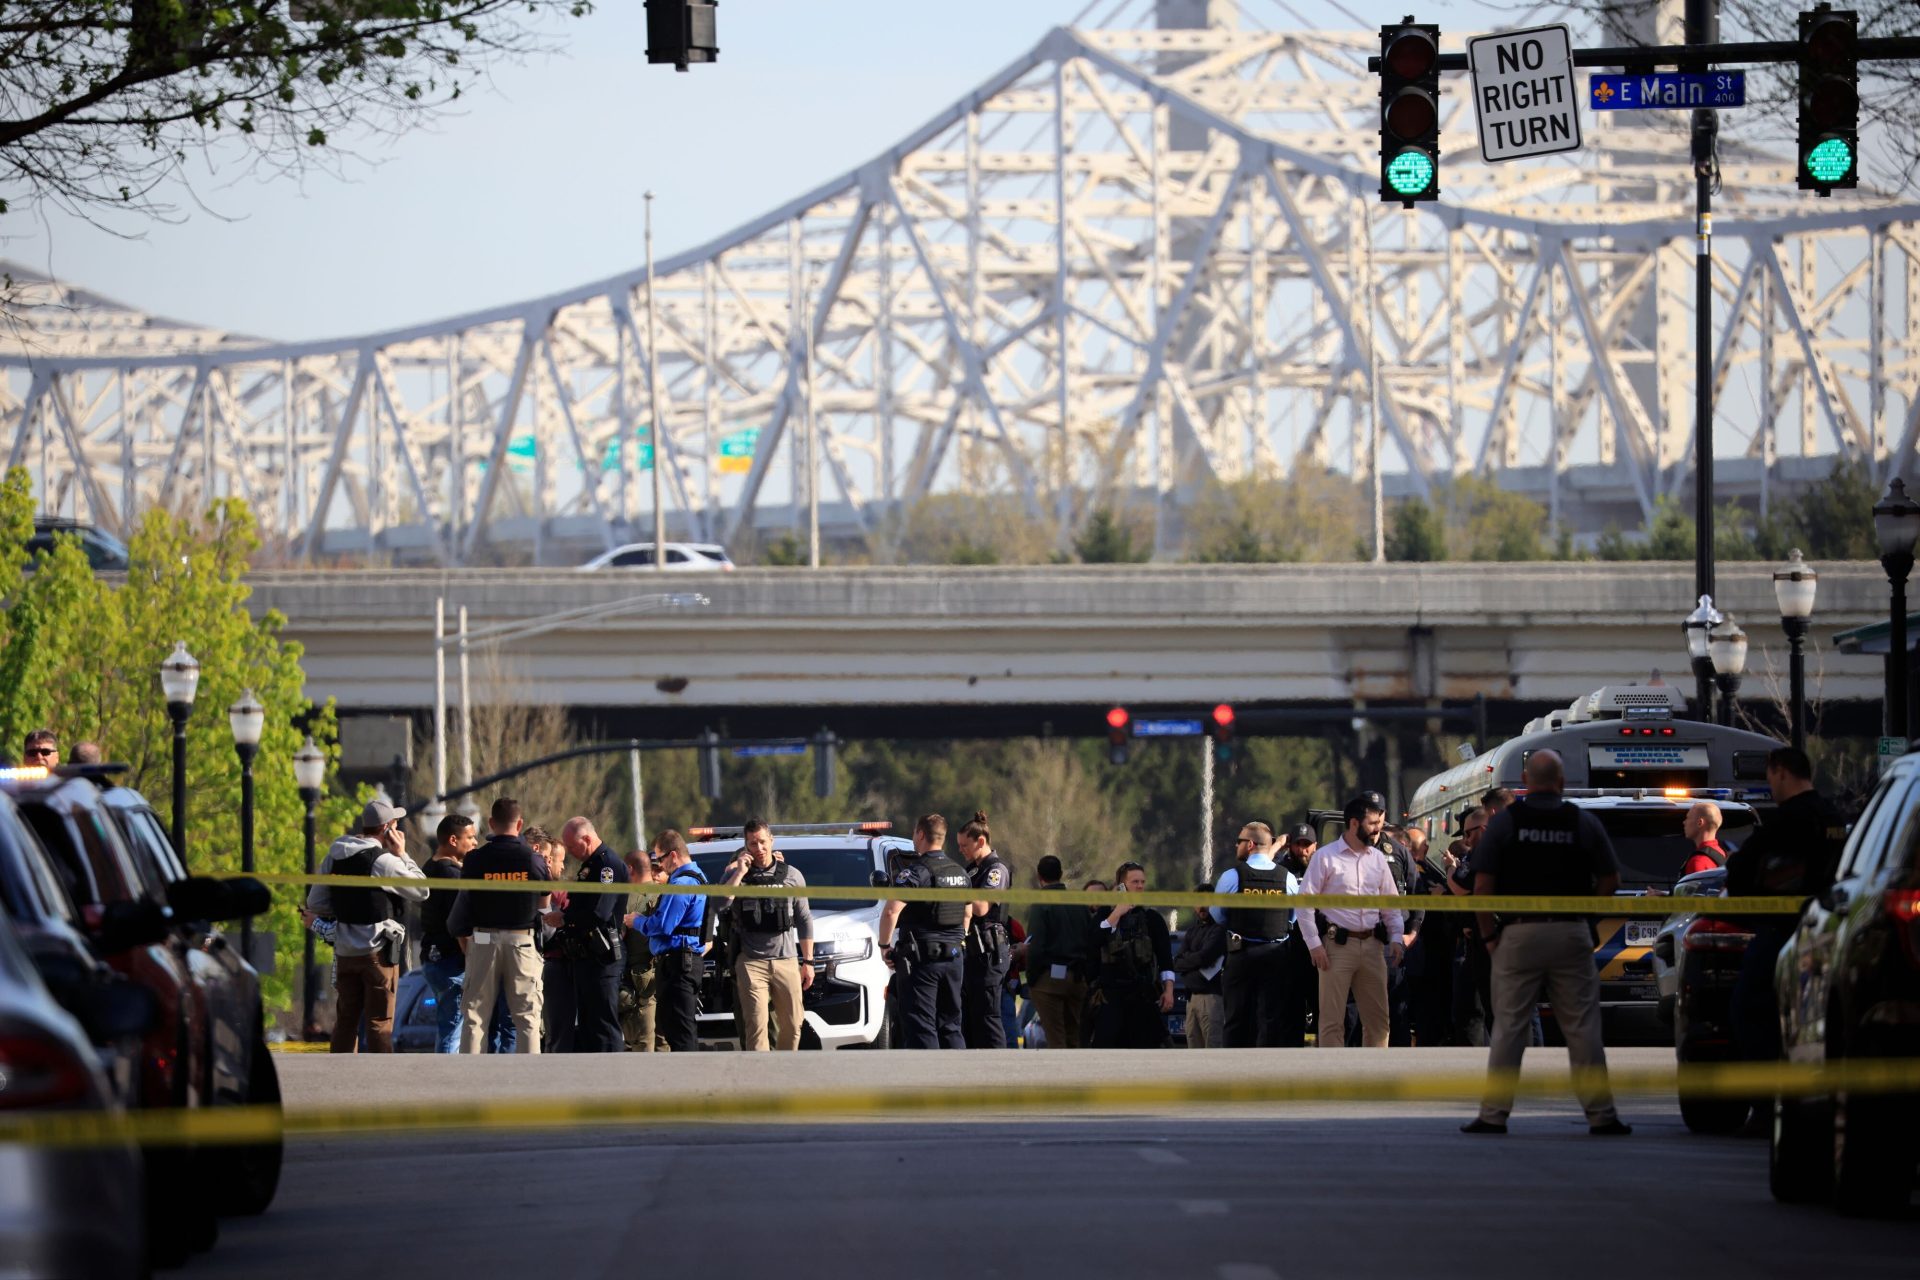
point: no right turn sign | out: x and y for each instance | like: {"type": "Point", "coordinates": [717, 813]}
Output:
{"type": "Point", "coordinates": [1523, 94]}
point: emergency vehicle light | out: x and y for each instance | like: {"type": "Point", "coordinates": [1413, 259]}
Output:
{"type": "Point", "coordinates": [25, 773]}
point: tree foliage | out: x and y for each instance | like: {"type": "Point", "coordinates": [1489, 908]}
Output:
{"type": "Point", "coordinates": [103, 101]}
{"type": "Point", "coordinates": [83, 658]}
{"type": "Point", "coordinates": [1110, 539]}
{"type": "Point", "coordinates": [1312, 515]}
{"type": "Point", "coordinates": [1416, 533]}
{"type": "Point", "coordinates": [1490, 523]}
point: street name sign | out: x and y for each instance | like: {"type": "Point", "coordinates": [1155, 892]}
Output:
{"type": "Point", "coordinates": [760, 749]}
{"type": "Point", "coordinates": [1667, 89]}
{"type": "Point", "coordinates": [1524, 98]}
{"type": "Point", "coordinates": [1167, 729]}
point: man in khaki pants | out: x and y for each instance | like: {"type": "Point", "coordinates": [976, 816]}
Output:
{"type": "Point", "coordinates": [772, 941]}
{"type": "Point", "coordinates": [1352, 947]}
{"type": "Point", "coordinates": [496, 926]}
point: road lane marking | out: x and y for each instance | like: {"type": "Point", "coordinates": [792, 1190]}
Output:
{"type": "Point", "coordinates": [1160, 1155]}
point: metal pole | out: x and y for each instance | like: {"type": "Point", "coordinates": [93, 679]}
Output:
{"type": "Point", "coordinates": [177, 711]}
{"type": "Point", "coordinates": [655, 436]}
{"type": "Point", "coordinates": [1897, 657]}
{"type": "Point", "coordinates": [439, 695]}
{"type": "Point", "coordinates": [1206, 808]}
{"type": "Point", "coordinates": [639, 800]}
{"type": "Point", "coordinates": [306, 971]}
{"type": "Point", "coordinates": [466, 710]}
{"type": "Point", "coordinates": [813, 438]}
{"type": "Point", "coordinates": [1797, 679]}
{"type": "Point", "coordinates": [246, 844]}
{"type": "Point", "coordinates": [1702, 26]}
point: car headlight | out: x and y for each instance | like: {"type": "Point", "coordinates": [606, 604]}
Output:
{"type": "Point", "coordinates": [842, 950]}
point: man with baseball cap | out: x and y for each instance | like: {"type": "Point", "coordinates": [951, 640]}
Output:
{"type": "Point", "coordinates": [368, 935]}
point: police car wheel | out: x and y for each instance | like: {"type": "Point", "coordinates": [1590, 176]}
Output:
{"type": "Point", "coordinates": [250, 1175]}
{"type": "Point", "coordinates": [1713, 1115]}
{"type": "Point", "coordinates": [1798, 1161]}
{"type": "Point", "coordinates": [1872, 1168]}
{"type": "Point", "coordinates": [883, 1037]}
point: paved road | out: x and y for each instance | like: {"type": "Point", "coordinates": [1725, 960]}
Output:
{"type": "Point", "coordinates": [1364, 1189]}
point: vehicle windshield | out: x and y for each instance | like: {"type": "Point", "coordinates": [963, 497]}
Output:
{"type": "Point", "coordinates": [848, 865]}
{"type": "Point", "coordinates": [1651, 847]}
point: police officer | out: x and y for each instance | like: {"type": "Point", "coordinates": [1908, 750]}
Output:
{"type": "Point", "coordinates": [1795, 853]}
{"type": "Point", "coordinates": [1541, 846]}
{"type": "Point", "coordinates": [1133, 991]}
{"type": "Point", "coordinates": [989, 949]}
{"type": "Point", "coordinates": [1257, 978]}
{"type": "Point", "coordinates": [586, 1019]}
{"type": "Point", "coordinates": [1302, 1001]}
{"type": "Point", "coordinates": [772, 943]}
{"type": "Point", "coordinates": [930, 944]}
{"type": "Point", "coordinates": [1400, 861]}
{"type": "Point", "coordinates": [675, 931]}
{"type": "Point", "coordinates": [498, 927]}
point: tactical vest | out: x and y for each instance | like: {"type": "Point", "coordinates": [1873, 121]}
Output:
{"type": "Point", "coordinates": [996, 911]}
{"type": "Point", "coordinates": [938, 917]}
{"type": "Point", "coordinates": [1126, 956]}
{"type": "Point", "coordinates": [764, 915]}
{"type": "Point", "coordinates": [361, 905]}
{"type": "Point", "coordinates": [1272, 924]}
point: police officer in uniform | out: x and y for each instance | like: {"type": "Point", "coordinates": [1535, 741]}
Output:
{"type": "Point", "coordinates": [502, 960]}
{"type": "Point", "coordinates": [1795, 853]}
{"type": "Point", "coordinates": [1258, 975]}
{"type": "Point", "coordinates": [989, 949]}
{"type": "Point", "coordinates": [1541, 846]}
{"type": "Point", "coordinates": [586, 1019]}
{"type": "Point", "coordinates": [675, 930]}
{"type": "Point", "coordinates": [1399, 990]}
{"type": "Point", "coordinates": [930, 943]}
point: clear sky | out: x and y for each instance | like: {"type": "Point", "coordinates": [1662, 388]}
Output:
{"type": "Point", "coordinates": [534, 185]}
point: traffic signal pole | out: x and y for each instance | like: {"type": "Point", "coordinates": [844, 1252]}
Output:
{"type": "Point", "coordinates": [1702, 28]}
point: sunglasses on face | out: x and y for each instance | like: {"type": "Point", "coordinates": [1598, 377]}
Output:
{"type": "Point", "coordinates": [38, 752]}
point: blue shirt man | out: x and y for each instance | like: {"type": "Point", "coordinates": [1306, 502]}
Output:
{"type": "Point", "coordinates": [1258, 837]}
{"type": "Point", "coordinates": [672, 931]}
{"type": "Point", "coordinates": [675, 924]}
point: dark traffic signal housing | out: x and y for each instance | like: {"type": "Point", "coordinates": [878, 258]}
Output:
{"type": "Point", "coordinates": [1829, 150]}
{"type": "Point", "coordinates": [1410, 112]}
{"type": "Point", "coordinates": [681, 32]}
{"type": "Point", "coordinates": [1220, 729]}
{"type": "Point", "coordinates": [1119, 729]}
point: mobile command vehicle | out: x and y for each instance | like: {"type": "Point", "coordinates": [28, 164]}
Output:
{"type": "Point", "coordinates": [1637, 767]}
{"type": "Point", "coordinates": [847, 1005]}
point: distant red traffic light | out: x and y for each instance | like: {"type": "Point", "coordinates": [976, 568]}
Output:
{"type": "Point", "coordinates": [1223, 715]}
{"type": "Point", "coordinates": [1118, 718]}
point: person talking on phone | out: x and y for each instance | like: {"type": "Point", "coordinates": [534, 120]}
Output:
{"type": "Point", "coordinates": [773, 943]}
{"type": "Point", "coordinates": [368, 936]}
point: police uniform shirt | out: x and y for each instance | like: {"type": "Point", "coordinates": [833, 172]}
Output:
{"type": "Point", "coordinates": [587, 910]}
{"type": "Point", "coordinates": [502, 858]}
{"type": "Point", "coordinates": [1795, 853]}
{"type": "Point", "coordinates": [991, 873]}
{"type": "Point", "coordinates": [1541, 846]}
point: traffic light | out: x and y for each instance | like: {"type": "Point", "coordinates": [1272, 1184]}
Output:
{"type": "Point", "coordinates": [1829, 151]}
{"type": "Point", "coordinates": [1410, 112]}
{"type": "Point", "coordinates": [1119, 729]}
{"type": "Point", "coordinates": [681, 32]}
{"type": "Point", "coordinates": [1221, 731]}
{"type": "Point", "coordinates": [709, 752]}
{"type": "Point", "coordinates": [824, 744]}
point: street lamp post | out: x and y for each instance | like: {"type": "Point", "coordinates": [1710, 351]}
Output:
{"type": "Point", "coordinates": [1896, 523]}
{"type": "Point", "coordinates": [309, 775]}
{"type": "Point", "coordinates": [1698, 625]}
{"type": "Point", "coordinates": [246, 718]}
{"type": "Point", "coordinates": [1794, 585]}
{"type": "Point", "coordinates": [179, 679]}
{"type": "Point", "coordinates": [1727, 646]}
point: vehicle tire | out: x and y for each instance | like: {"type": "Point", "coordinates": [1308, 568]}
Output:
{"type": "Point", "coordinates": [1710, 1114]}
{"type": "Point", "coordinates": [1799, 1151]}
{"type": "Point", "coordinates": [180, 1220]}
{"type": "Point", "coordinates": [1872, 1168]}
{"type": "Point", "coordinates": [883, 1037]}
{"type": "Point", "coordinates": [251, 1174]}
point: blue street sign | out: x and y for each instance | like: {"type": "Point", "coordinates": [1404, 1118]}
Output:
{"type": "Point", "coordinates": [771, 749]}
{"type": "Point", "coordinates": [1662, 89]}
{"type": "Point", "coordinates": [1167, 729]}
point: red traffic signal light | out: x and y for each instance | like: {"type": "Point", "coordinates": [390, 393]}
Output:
{"type": "Point", "coordinates": [1119, 729]}
{"type": "Point", "coordinates": [1222, 733]}
{"type": "Point", "coordinates": [1223, 716]}
{"type": "Point", "coordinates": [1118, 719]}
{"type": "Point", "coordinates": [1410, 52]}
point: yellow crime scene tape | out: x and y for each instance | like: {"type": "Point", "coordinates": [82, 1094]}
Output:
{"type": "Point", "coordinates": [243, 1124]}
{"type": "Point", "coordinates": [1501, 904]}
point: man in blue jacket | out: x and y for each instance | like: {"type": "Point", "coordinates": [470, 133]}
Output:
{"type": "Point", "coordinates": [673, 934]}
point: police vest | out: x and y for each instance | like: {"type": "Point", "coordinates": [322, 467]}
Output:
{"type": "Point", "coordinates": [1545, 857]}
{"type": "Point", "coordinates": [1126, 957]}
{"type": "Point", "coordinates": [764, 915]}
{"type": "Point", "coordinates": [1271, 924]}
{"type": "Point", "coordinates": [938, 917]}
{"type": "Point", "coordinates": [361, 904]}
{"type": "Point", "coordinates": [983, 877]}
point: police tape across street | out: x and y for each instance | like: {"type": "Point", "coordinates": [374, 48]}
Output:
{"type": "Point", "coordinates": [1582, 905]}
{"type": "Point", "coordinates": [244, 1124]}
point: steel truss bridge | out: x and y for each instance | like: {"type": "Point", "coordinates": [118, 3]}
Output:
{"type": "Point", "coordinates": [1147, 255]}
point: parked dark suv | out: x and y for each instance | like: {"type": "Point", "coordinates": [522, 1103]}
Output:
{"type": "Point", "coordinates": [1848, 983]}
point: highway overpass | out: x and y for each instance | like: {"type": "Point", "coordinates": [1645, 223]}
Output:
{"type": "Point", "coordinates": [910, 649]}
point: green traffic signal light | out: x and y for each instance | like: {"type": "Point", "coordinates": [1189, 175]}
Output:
{"type": "Point", "coordinates": [1830, 160]}
{"type": "Point", "coordinates": [1410, 173]}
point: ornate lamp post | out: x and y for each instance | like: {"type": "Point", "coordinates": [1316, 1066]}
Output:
{"type": "Point", "coordinates": [179, 679]}
{"type": "Point", "coordinates": [1896, 523]}
{"type": "Point", "coordinates": [1727, 646]}
{"type": "Point", "coordinates": [309, 775]}
{"type": "Point", "coordinates": [1697, 626]}
{"type": "Point", "coordinates": [246, 718]}
{"type": "Point", "coordinates": [1794, 586]}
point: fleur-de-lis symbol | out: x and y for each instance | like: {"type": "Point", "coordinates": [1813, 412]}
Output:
{"type": "Point", "coordinates": [1604, 92]}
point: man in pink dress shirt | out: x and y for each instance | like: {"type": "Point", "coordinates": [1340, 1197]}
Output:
{"type": "Point", "coordinates": [1352, 947]}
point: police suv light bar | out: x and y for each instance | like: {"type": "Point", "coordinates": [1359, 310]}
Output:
{"type": "Point", "coordinates": [795, 829]}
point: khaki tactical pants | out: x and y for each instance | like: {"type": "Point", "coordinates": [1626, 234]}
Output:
{"type": "Point", "coordinates": [500, 960]}
{"type": "Point", "coordinates": [363, 986]}
{"type": "Point", "coordinates": [1360, 966]}
{"type": "Point", "coordinates": [758, 984]}
{"type": "Point", "coordinates": [1206, 1021]}
{"type": "Point", "coordinates": [1554, 959]}
{"type": "Point", "coordinates": [1061, 1004]}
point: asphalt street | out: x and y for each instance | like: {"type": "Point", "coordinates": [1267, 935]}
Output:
{"type": "Point", "coordinates": [1234, 1193]}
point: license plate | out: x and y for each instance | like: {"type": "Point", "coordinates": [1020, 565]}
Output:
{"type": "Point", "coordinates": [1641, 933]}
